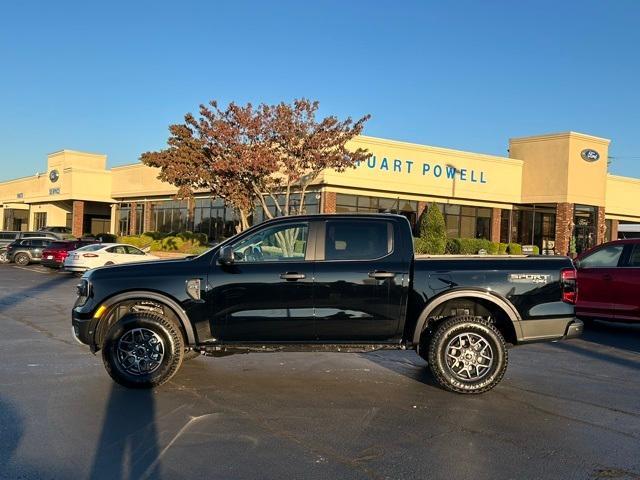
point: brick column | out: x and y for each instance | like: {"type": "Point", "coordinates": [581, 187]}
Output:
{"type": "Point", "coordinates": [496, 219]}
{"type": "Point", "coordinates": [133, 217]}
{"type": "Point", "coordinates": [77, 221]}
{"type": "Point", "coordinates": [601, 226]}
{"type": "Point", "coordinates": [329, 202]}
{"type": "Point", "coordinates": [614, 230]}
{"type": "Point", "coordinates": [564, 227]}
{"type": "Point", "coordinates": [147, 212]}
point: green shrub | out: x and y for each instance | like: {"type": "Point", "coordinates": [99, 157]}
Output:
{"type": "Point", "coordinates": [107, 238]}
{"type": "Point", "coordinates": [419, 246]}
{"type": "Point", "coordinates": [514, 249]}
{"type": "Point", "coordinates": [433, 231]}
{"type": "Point", "coordinates": [171, 244]}
{"type": "Point", "coordinates": [453, 246]}
{"type": "Point", "coordinates": [155, 235]}
{"type": "Point", "coordinates": [140, 241]}
{"type": "Point", "coordinates": [502, 248]}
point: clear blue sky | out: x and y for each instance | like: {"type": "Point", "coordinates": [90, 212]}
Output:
{"type": "Point", "coordinates": [110, 76]}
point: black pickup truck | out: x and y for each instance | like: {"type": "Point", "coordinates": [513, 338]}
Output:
{"type": "Point", "coordinates": [344, 283]}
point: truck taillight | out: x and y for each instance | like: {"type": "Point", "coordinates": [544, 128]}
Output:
{"type": "Point", "coordinates": [569, 286]}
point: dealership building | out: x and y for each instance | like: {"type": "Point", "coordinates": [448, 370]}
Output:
{"type": "Point", "coordinates": [549, 189]}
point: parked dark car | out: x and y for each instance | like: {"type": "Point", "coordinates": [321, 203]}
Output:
{"type": "Point", "coordinates": [53, 256]}
{"type": "Point", "coordinates": [62, 233]}
{"type": "Point", "coordinates": [343, 283]}
{"type": "Point", "coordinates": [609, 282]}
{"type": "Point", "coordinates": [51, 235]}
{"type": "Point", "coordinates": [27, 250]}
{"type": "Point", "coordinates": [6, 238]}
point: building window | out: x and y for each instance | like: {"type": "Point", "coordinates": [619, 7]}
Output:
{"type": "Point", "coordinates": [16, 220]}
{"type": "Point", "coordinates": [585, 221]}
{"type": "Point", "coordinates": [169, 216]}
{"type": "Point", "coordinates": [466, 222]}
{"type": "Point", "coordinates": [39, 220]}
{"type": "Point", "coordinates": [123, 222]}
{"type": "Point", "coordinates": [530, 225]}
{"type": "Point", "coordinates": [364, 204]}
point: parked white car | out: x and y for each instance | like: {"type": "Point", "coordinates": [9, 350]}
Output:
{"type": "Point", "coordinates": [101, 254]}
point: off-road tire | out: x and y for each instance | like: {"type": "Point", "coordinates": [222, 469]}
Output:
{"type": "Point", "coordinates": [21, 259]}
{"type": "Point", "coordinates": [447, 332]}
{"type": "Point", "coordinates": [190, 355]}
{"type": "Point", "coordinates": [173, 350]}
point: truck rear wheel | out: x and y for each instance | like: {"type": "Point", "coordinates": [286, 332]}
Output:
{"type": "Point", "coordinates": [467, 355]}
{"type": "Point", "coordinates": [143, 350]}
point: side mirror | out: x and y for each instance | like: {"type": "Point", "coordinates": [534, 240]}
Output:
{"type": "Point", "coordinates": [225, 257]}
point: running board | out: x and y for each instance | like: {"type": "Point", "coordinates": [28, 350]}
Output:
{"type": "Point", "coordinates": [234, 349]}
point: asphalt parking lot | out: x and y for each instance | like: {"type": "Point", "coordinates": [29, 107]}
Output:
{"type": "Point", "coordinates": [564, 410]}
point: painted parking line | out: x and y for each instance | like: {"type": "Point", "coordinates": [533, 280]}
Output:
{"type": "Point", "coordinates": [31, 269]}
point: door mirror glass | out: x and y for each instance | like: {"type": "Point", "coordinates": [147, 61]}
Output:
{"type": "Point", "coordinates": [226, 255]}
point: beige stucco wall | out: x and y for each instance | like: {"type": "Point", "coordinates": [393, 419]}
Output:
{"type": "Point", "coordinates": [421, 172]}
{"type": "Point", "coordinates": [623, 198]}
{"type": "Point", "coordinates": [554, 171]}
{"type": "Point", "coordinates": [138, 180]}
{"type": "Point", "coordinates": [542, 169]}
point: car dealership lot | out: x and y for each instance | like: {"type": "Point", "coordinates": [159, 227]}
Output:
{"type": "Point", "coordinates": [565, 410]}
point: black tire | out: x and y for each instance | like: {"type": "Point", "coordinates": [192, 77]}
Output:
{"type": "Point", "coordinates": [190, 355]}
{"type": "Point", "coordinates": [21, 259]}
{"type": "Point", "coordinates": [164, 331]}
{"type": "Point", "coordinates": [465, 337]}
{"type": "Point", "coordinates": [108, 263]}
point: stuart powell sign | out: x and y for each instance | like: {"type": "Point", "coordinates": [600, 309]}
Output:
{"type": "Point", "coordinates": [437, 170]}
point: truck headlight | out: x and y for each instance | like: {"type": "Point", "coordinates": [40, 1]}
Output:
{"type": "Point", "coordinates": [84, 291]}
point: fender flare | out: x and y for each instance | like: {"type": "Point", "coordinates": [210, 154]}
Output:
{"type": "Point", "coordinates": [497, 300]}
{"type": "Point", "coordinates": [158, 297]}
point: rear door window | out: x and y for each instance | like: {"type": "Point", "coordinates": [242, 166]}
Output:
{"type": "Point", "coordinates": [357, 239]}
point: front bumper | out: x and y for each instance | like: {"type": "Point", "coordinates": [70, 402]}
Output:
{"type": "Point", "coordinates": [82, 326]}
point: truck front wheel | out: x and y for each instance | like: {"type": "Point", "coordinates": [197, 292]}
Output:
{"type": "Point", "coordinates": [467, 355]}
{"type": "Point", "coordinates": [143, 350]}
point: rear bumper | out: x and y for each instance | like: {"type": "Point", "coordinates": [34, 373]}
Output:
{"type": "Point", "coordinates": [550, 329]}
{"type": "Point", "coordinates": [75, 268]}
{"type": "Point", "coordinates": [50, 263]}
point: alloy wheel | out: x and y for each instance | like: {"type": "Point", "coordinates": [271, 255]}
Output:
{"type": "Point", "coordinates": [469, 356]}
{"type": "Point", "coordinates": [140, 351]}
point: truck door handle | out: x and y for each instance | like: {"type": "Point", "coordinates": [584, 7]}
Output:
{"type": "Point", "coordinates": [292, 276]}
{"type": "Point", "coordinates": [379, 274]}
{"type": "Point", "coordinates": [606, 277]}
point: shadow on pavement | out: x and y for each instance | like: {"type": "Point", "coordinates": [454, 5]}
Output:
{"type": "Point", "coordinates": [625, 336]}
{"type": "Point", "coordinates": [128, 444]}
{"type": "Point", "coordinates": [11, 429]}
{"type": "Point", "coordinates": [18, 295]}
{"type": "Point", "coordinates": [405, 363]}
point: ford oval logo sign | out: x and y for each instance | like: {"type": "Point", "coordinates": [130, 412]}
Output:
{"type": "Point", "coordinates": [589, 155]}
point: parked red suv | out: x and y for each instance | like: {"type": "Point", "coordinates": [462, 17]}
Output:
{"type": "Point", "coordinates": [609, 282]}
{"type": "Point", "coordinates": [53, 256]}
